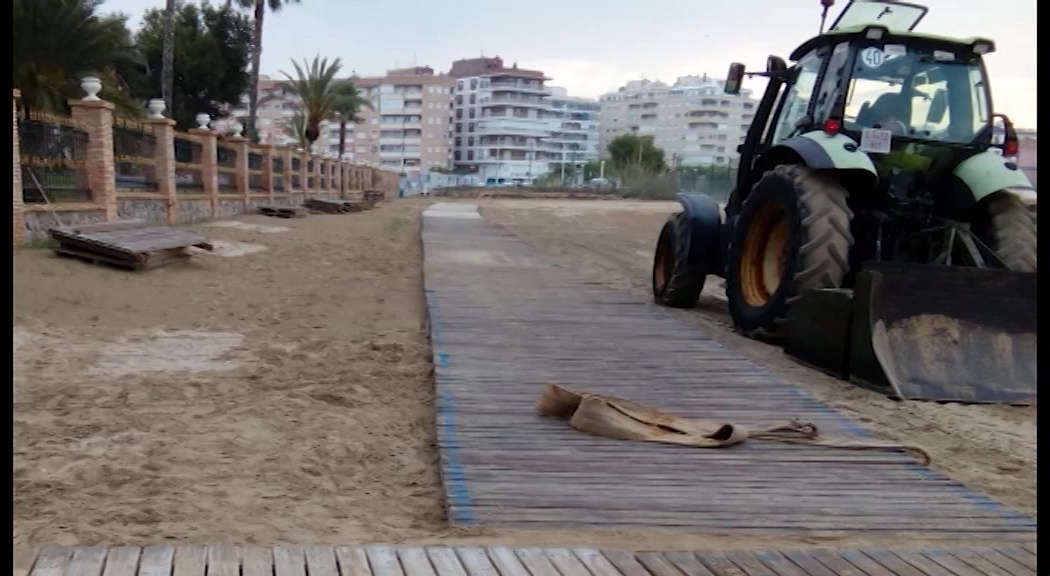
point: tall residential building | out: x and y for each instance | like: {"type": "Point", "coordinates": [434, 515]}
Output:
{"type": "Point", "coordinates": [574, 133]}
{"type": "Point", "coordinates": [500, 117]}
{"type": "Point", "coordinates": [406, 128]}
{"type": "Point", "coordinates": [693, 120]}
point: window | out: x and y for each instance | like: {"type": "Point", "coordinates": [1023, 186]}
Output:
{"type": "Point", "coordinates": [473, 99]}
{"type": "Point", "coordinates": [459, 86]}
{"type": "Point", "coordinates": [459, 127]}
{"type": "Point", "coordinates": [472, 113]}
{"type": "Point", "coordinates": [459, 142]}
{"type": "Point", "coordinates": [796, 101]}
{"type": "Point", "coordinates": [455, 156]}
{"type": "Point", "coordinates": [470, 155]}
{"type": "Point", "coordinates": [899, 93]}
{"type": "Point", "coordinates": [470, 127]}
{"type": "Point", "coordinates": [830, 87]}
{"type": "Point", "coordinates": [474, 84]}
{"type": "Point", "coordinates": [470, 141]}
{"type": "Point", "coordinates": [459, 113]}
{"type": "Point", "coordinates": [459, 100]}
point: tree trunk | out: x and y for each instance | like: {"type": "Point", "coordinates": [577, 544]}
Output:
{"type": "Point", "coordinates": [342, 150]}
{"type": "Point", "coordinates": [253, 83]}
{"type": "Point", "coordinates": [167, 72]}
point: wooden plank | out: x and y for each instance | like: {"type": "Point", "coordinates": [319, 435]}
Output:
{"type": "Point", "coordinates": [625, 562]}
{"type": "Point", "coordinates": [566, 562]}
{"type": "Point", "coordinates": [978, 563]}
{"type": "Point", "coordinates": [892, 562]}
{"type": "Point", "coordinates": [157, 560]}
{"type": "Point", "coordinates": [596, 562]}
{"type": "Point", "coordinates": [750, 564]}
{"type": "Point", "coordinates": [352, 561]}
{"type": "Point", "coordinates": [536, 562]}
{"type": "Point", "coordinates": [288, 561]}
{"type": "Point", "coordinates": [1018, 554]}
{"type": "Point", "coordinates": [87, 561]}
{"type": "Point", "coordinates": [719, 564]}
{"type": "Point", "coordinates": [320, 561]}
{"type": "Point", "coordinates": [190, 561]}
{"type": "Point", "coordinates": [780, 564]}
{"type": "Point", "coordinates": [687, 563]}
{"type": "Point", "coordinates": [507, 562]}
{"type": "Point", "coordinates": [256, 561]}
{"type": "Point", "coordinates": [477, 562]}
{"type": "Point", "coordinates": [865, 563]}
{"type": "Point", "coordinates": [1003, 561]}
{"type": "Point", "coordinates": [811, 565]}
{"type": "Point", "coordinates": [951, 563]}
{"type": "Point", "coordinates": [444, 561]}
{"type": "Point", "coordinates": [383, 561]}
{"type": "Point", "coordinates": [93, 227]}
{"type": "Point", "coordinates": [52, 561]}
{"type": "Point", "coordinates": [922, 563]}
{"type": "Point", "coordinates": [414, 561]}
{"type": "Point", "coordinates": [224, 561]}
{"type": "Point", "coordinates": [122, 561]}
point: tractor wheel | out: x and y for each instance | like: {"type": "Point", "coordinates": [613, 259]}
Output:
{"type": "Point", "coordinates": [1009, 229]}
{"type": "Point", "coordinates": [676, 282]}
{"type": "Point", "coordinates": [793, 234]}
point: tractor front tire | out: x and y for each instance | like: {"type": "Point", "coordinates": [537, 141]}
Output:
{"type": "Point", "coordinates": [676, 282]}
{"type": "Point", "coordinates": [793, 234]}
{"type": "Point", "coordinates": [1010, 231]}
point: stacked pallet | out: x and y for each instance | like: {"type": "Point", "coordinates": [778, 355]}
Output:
{"type": "Point", "coordinates": [374, 196]}
{"type": "Point", "coordinates": [127, 244]}
{"type": "Point", "coordinates": [282, 211]}
{"type": "Point", "coordinates": [336, 206]}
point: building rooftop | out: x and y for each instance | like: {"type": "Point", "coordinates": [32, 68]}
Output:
{"type": "Point", "coordinates": [485, 66]}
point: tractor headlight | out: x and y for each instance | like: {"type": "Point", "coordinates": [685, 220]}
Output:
{"type": "Point", "coordinates": [874, 32]}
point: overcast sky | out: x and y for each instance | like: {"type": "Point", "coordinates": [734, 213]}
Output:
{"type": "Point", "coordinates": [594, 46]}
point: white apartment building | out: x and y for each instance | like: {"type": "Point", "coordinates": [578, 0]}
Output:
{"type": "Point", "coordinates": [500, 119]}
{"type": "Point", "coordinates": [692, 120]}
{"type": "Point", "coordinates": [574, 133]}
{"type": "Point", "coordinates": [406, 129]}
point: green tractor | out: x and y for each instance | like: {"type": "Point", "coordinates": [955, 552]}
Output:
{"type": "Point", "coordinates": [879, 228]}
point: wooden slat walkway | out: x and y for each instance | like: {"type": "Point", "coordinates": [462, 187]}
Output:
{"type": "Point", "coordinates": [167, 560]}
{"type": "Point", "coordinates": [505, 320]}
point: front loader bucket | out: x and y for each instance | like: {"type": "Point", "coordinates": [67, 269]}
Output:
{"type": "Point", "coordinates": [945, 333]}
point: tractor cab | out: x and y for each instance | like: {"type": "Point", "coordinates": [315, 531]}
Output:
{"type": "Point", "coordinates": [912, 102]}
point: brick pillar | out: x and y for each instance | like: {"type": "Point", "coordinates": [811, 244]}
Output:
{"type": "Point", "coordinates": [209, 162]}
{"type": "Point", "coordinates": [19, 220]}
{"type": "Point", "coordinates": [267, 152]}
{"type": "Point", "coordinates": [286, 155]}
{"type": "Point", "coordinates": [97, 118]}
{"type": "Point", "coordinates": [239, 144]}
{"type": "Point", "coordinates": [164, 135]}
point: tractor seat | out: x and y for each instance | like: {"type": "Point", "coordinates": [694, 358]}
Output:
{"type": "Point", "coordinates": [885, 107]}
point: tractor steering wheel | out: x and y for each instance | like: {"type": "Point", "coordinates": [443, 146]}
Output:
{"type": "Point", "coordinates": [897, 127]}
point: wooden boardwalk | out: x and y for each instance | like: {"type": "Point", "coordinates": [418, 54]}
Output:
{"type": "Point", "coordinates": [166, 560]}
{"type": "Point", "coordinates": [504, 321]}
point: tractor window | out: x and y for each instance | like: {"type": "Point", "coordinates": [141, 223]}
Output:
{"type": "Point", "coordinates": [796, 101]}
{"type": "Point", "coordinates": [830, 85]}
{"type": "Point", "coordinates": [917, 95]}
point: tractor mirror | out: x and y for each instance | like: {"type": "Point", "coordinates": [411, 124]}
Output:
{"type": "Point", "coordinates": [775, 65]}
{"type": "Point", "coordinates": [734, 78]}
{"type": "Point", "coordinates": [938, 107]}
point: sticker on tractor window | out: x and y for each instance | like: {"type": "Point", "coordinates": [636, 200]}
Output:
{"type": "Point", "coordinates": [894, 50]}
{"type": "Point", "coordinates": [872, 57]}
{"type": "Point", "coordinates": [874, 141]}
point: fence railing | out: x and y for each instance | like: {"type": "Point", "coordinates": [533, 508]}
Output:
{"type": "Point", "coordinates": [105, 166]}
{"type": "Point", "coordinates": [134, 156]}
{"type": "Point", "coordinates": [52, 158]}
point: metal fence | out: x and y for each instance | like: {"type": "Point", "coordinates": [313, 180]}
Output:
{"type": "Point", "coordinates": [134, 155]}
{"type": "Point", "coordinates": [53, 152]}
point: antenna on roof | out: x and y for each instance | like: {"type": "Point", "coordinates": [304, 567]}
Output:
{"type": "Point", "coordinates": [824, 15]}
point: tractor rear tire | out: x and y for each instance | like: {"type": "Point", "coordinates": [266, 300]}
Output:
{"type": "Point", "coordinates": [793, 234]}
{"type": "Point", "coordinates": [676, 282]}
{"type": "Point", "coordinates": [1011, 233]}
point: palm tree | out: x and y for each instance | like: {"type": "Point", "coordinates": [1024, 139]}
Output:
{"type": "Point", "coordinates": [259, 12]}
{"type": "Point", "coordinates": [167, 69]}
{"type": "Point", "coordinates": [57, 42]}
{"type": "Point", "coordinates": [321, 95]}
{"type": "Point", "coordinates": [347, 107]}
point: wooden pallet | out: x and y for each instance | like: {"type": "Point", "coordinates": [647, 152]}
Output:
{"type": "Point", "coordinates": [372, 195]}
{"type": "Point", "coordinates": [282, 211]}
{"type": "Point", "coordinates": [505, 321]}
{"type": "Point", "coordinates": [128, 244]}
{"type": "Point", "coordinates": [988, 560]}
{"type": "Point", "coordinates": [336, 206]}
